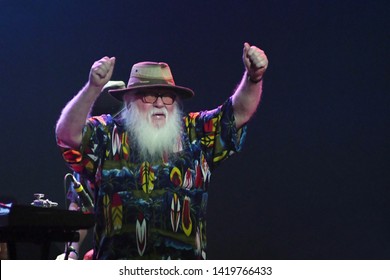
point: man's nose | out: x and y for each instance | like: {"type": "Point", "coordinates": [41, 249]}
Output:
{"type": "Point", "coordinates": [159, 102]}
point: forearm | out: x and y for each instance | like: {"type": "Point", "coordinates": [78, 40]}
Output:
{"type": "Point", "coordinates": [74, 254]}
{"type": "Point", "coordinates": [246, 99]}
{"type": "Point", "coordinates": [73, 117]}
{"type": "Point", "coordinates": [247, 96]}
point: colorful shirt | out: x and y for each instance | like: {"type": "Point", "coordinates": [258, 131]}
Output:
{"type": "Point", "coordinates": [153, 210]}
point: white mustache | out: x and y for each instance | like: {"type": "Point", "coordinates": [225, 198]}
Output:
{"type": "Point", "coordinates": [157, 111]}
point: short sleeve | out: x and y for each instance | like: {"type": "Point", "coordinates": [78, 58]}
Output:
{"type": "Point", "coordinates": [85, 160]}
{"type": "Point", "coordinates": [216, 133]}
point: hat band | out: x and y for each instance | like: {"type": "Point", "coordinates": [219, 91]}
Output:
{"type": "Point", "coordinates": [144, 82]}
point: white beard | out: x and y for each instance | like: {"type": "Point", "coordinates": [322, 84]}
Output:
{"type": "Point", "coordinates": [153, 142]}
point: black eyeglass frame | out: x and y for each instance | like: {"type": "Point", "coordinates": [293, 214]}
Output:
{"type": "Point", "coordinates": [171, 97]}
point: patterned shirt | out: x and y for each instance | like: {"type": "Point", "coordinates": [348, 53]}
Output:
{"type": "Point", "coordinates": [153, 210]}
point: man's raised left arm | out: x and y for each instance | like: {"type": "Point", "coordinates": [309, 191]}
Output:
{"type": "Point", "coordinates": [247, 96]}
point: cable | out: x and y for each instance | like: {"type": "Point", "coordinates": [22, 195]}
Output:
{"type": "Point", "coordinates": [68, 245]}
{"type": "Point", "coordinates": [66, 189]}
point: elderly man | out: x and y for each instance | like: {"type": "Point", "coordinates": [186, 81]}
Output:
{"type": "Point", "coordinates": [151, 165]}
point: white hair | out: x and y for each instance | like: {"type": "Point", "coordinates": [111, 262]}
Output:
{"type": "Point", "coordinates": [153, 142]}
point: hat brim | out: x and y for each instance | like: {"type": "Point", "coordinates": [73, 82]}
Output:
{"type": "Point", "coordinates": [183, 92]}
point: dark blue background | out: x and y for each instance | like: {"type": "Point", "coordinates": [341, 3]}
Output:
{"type": "Point", "coordinates": [313, 179]}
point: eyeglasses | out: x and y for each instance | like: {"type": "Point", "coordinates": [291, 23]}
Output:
{"type": "Point", "coordinates": [167, 98]}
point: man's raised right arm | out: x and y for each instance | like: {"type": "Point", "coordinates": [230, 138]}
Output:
{"type": "Point", "coordinates": [73, 117]}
